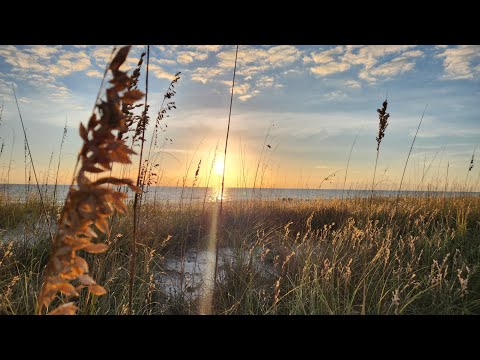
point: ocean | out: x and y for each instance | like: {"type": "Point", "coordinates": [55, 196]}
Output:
{"type": "Point", "coordinates": [198, 194]}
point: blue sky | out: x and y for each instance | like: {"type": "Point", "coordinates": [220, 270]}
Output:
{"type": "Point", "coordinates": [310, 100]}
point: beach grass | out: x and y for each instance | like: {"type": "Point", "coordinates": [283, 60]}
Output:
{"type": "Point", "coordinates": [281, 257]}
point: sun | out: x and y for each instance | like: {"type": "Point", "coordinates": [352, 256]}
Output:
{"type": "Point", "coordinates": [218, 167]}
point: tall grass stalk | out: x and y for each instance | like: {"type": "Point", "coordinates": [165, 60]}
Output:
{"type": "Point", "coordinates": [382, 126]}
{"type": "Point", "coordinates": [136, 208]}
{"type": "Point", "coordinates": [424, 175]}
{"type": "Point", "coordinates": [261, 156]}
{"type": "Point", "coordinates": [348, 161]}
{"type": "Point", "coordinates": [11, 159]}
{"type": "Point", "coordinates": [64, 135]}
{"type": "Point", "coordinates": [446, 180]}
{"type": "Point", "coordinates": [224, 166]}
{"type": "Point", "coordinates": [169, 94]}
{"type": "Point", "coordinates": [33, 167]}
{"type": "Point", "coordinates": [470, 167]}
{"type": "Point", "coordinates": [25, 168]}
{"type": "Point", "coordinates": [47, 174]}
{"type": "Point", "coordinates": [438, 168]}
{"type": "Point", "coordinates": [408, 157]}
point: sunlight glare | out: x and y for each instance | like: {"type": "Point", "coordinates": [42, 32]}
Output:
{"type": "Point", "coordinates": [218, 167]}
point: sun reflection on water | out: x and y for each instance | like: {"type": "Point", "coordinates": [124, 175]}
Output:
{"type": "Point", "coordinates": [215, 194]}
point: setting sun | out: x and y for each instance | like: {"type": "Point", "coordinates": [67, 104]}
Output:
{"type": "Point", "coordinates": [218, 167]}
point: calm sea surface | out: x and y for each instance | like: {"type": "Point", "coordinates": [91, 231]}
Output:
{"type": "Point", "coordinates": [178, 194]}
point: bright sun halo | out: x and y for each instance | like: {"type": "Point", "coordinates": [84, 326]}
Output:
{"type": "Point", "coordinates": [218, 167]}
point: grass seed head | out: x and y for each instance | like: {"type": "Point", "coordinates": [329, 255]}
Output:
{"type": "Point", "coordinates": [383, 122]}
{"type": "Point", "coordinates": [91, 202]}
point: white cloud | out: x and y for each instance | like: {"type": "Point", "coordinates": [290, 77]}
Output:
{"type": "Point", "coordinates": [102, 54]}
{"type": "Point", "coordinates": [413, 53]}
{"type": "Point", "coordinates": [164, 61]}
{"type": "Point", "coordinates": [292, 71]}
{"type": "Point", "coordinates": [254, 60]}
{"type": "Point", "coordinates": [307, 60]}
{"type": "Point", "coordinates": [330, 68]}
{"type": "Point", "coordinates": [94, 73]}
{"type": "Point", "coordinates": [327, 56]}
{"type": "Point", "coordinates": [283, 55]}
{"type": "Point", "coordinates": [70, 62]}
{"type": "Point", "coordinates": [342, 58]}
{"type": "Point", "coordinates": [205, 48]}
{"type": "Point", "coordinates": [40, 67]}
{"type": "Point", "coordinates": [43, 51]}
{"type": "Point", "coordinates": [246, 56]}
{"type": "Point", "coordinates": [353, 84]}
{"type": "Point", "coordinates": [21, 60]}
{"type": "Point", "coordinates": [160, 73]}
{"type": "Point", "coordinates": [39, 59]}
{"type": "Point", "coordinates": [186, 57]}
{"type": "Point", "coordinates": [335, 95]}
{"type": "Point", "coordinates": [457, 62]}
{"type": "Point", "coordinates": [371, 54]}
{"type": "Point", "coordinates": [204, 75]}
{"type": "Point", "coordinates": [252, 66]}
{"type": "Point", "coordinates": [265, 81]}
{"type": "Point", "coordinates": [392, 68]}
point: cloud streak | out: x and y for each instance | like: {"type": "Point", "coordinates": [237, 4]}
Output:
{"type": "Point", "coordinates": [458, 62]}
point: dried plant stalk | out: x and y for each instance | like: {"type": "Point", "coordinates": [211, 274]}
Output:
{"type": "Point", "coordinates": [382, 123]}
{"type": "Point", "coordinates": [59, 160]}
{"type": "Point", "coordinates": [170, 105]}
{"type": "Point", "coordinates": [382, 126]}
{"type": "Point", "coordinates": [127, 108]}
{"type": "Point", "coordinates": [91, 203]}
{"type": "Point", "coordinates": [408, 157]}
{"type": "Point", "coordinates": [224, 166]}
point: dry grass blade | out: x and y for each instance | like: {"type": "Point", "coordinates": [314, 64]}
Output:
{"type": "Point", "coordinates": [59, 159]}
{"type": "Point", "coordinates": [170, 105]}
{"type": "Point", "coordinates": [348, 161]}
{"type": "Point", "coordinates": [47, 218]}
{"type": "Point", "coordinates": [224, 162]}
{"type": "Point", "coordinates": [89, 202]}
{"type": "Point", "coordinates": [408, 157]}
{"type": "Point", "coordinates": [141, 126]}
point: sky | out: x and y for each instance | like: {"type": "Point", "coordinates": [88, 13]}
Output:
{"type": "Point", "coordinates": [296, 111]}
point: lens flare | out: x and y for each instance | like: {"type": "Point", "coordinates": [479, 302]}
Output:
{"type": "Point", "coordinates": [209, 273]}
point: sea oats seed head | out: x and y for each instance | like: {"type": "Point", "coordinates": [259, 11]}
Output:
{"type": "Point", "coordinates": [383, 122]}
{"type": "Point", "coordinates": [90, 203]}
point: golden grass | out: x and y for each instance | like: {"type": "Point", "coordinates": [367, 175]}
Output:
{"type": "Point", "coordinates": [297, 257]}
{"type": "Point", "coordinates": [90, 202]}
